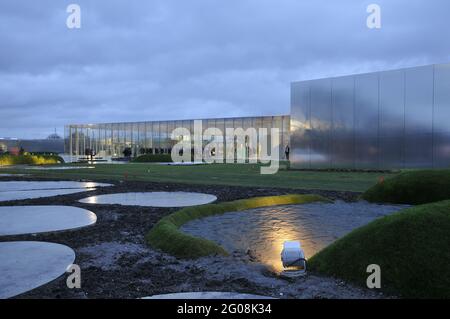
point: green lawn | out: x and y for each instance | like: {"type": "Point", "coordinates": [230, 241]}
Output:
{"type": "Point", "coordinates": [411, 247]}
{"type": "Point", "coordinates": [412, 187]}
{"type": "Point", "coordinates": [218, 174]}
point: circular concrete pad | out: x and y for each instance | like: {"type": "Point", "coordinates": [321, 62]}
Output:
{"type": "Point", "coordinates": [29, 185]}
{"type": "Point", "coordinates": [27, 265]}
{"type": "Point", "coordinates": [18, 190]}
{"type": "Point", "coordinates": [152, 199]}
{"type": "Point", "coordinates": [20, 195]}
{"type": "Point", "coordinates": [208, 295]}
{"type": "Point", "coordinates": [13, 175]}
{"type": "Point", "coordinates": [18, 220]}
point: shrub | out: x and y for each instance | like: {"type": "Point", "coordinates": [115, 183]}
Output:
{"type": "Point", "coordinates": [166, 235]}
{"type": "Point", "coordinates": [30, 159]}
{"type": "Point", "coordinates": [411, 247]}
{"type": "Point", "coordinates": [412, 187]}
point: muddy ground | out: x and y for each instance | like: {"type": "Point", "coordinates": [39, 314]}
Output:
{"type": "Point", "coordinates": [115, 262]}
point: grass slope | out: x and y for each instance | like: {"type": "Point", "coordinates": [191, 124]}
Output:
{"type": "Point", "coordinates": [412, 187]}
{"type": "Point", "coordinates": [165, 235]}
{"type": "Point", "coordinates": [218, 174]}
{"type": "Point", "coordinates": [411, 247]}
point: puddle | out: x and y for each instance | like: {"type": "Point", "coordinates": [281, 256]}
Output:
{"type": "Point", "coordinates": [152, 199]}
{"type": "Point", "coordinates": [263, 231]}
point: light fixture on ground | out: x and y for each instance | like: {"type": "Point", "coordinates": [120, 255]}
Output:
{"type": "Point", "coordinates": [293, 259]}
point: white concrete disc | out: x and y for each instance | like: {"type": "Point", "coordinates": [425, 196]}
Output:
{"type": "Point", "coordinates": [30, 185]}
{"type": "Point", "coordinates": [19, 195]}
{"type": "Point", "coordinates": [27, 265]}
{"type": "Point", "coordinates": [17, 220]}
{"type": "Point", "coordinates": [152, 199]}
{"type": "Point", "coordinates": [207, 295]}
{"type": "Point", "coordinates": [13, 175]}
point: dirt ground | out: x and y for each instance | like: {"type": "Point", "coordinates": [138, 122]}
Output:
{"type": "Point", "coordinates": [115, 262]}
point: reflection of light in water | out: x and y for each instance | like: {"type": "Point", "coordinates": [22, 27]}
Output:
{"type": "Point", "coordinates": [92, 218]}
{"type": "Point", "coordinates": [91, 200]}
{"type": "Point", "coordinates": [89, 185]}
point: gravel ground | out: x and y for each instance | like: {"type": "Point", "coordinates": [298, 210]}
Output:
{"type": "Point", "coordinates": [116, 263]}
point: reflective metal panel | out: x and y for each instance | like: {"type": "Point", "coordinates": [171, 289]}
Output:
{"type": "Point", "coordinates": [442, 98]}
{"type": "Point", "coordinates": [418, 100]}
{"type": "Point", "coordinates": [366, 105]}
{"type": "Point", "coordinates": [419, 117]}
{"type": "Point", "coordinates": [392, 152]}
{"type": "Point", "coordinates": [321, 112]}
{"type": "Point", "coordinates": [419, 151]}
{"type": "Point", "coordinates": [441, 142]}
{"type": "Point", "coordinates": [320, 153]}
{"type": "Point", "coordinates": [366, 121]}
{"type": "Point", "coordinates": [321, 123]}
{"type": "Point", "coordinates": [392, 103]}
{"type": "Point", "coordinates": [367, 152]}
{"type": "Point", "coordinates": [342, 137]}
{"type": "Point", "coordinates": [391, 119]}
{"type": "Point", "coordinates": [300, 125]}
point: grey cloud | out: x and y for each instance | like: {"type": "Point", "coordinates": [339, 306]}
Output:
{"type": "Point", "coordinates": [172, 59]}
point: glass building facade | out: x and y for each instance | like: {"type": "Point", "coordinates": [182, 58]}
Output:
{"type": "Point", "coordinates": [154, 137]}
{"type": "Point", "coordinates": [390, 119]}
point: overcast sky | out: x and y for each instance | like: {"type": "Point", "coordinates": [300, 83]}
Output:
{"type": "Point", "coordinates": [139, 60]}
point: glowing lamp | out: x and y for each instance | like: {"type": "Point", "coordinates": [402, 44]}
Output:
{"type": "Point", "coordinates": [293, 259]}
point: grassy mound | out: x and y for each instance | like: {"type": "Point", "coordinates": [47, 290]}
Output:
{"type": "Point", "coordinates": [153, 158]}
{"type": "Point", "coordinates": [166, 235]}
{"type": "Point", "coordinates": [414, 187]}
{"type": "Point", "coordinates": [411, 247]}
{"type": "Point", "coordinates": [30, 159]}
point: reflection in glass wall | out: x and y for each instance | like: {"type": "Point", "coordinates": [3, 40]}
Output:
{"type": "Point", "coordinates": [393, 119]}
{"type": "Point", "coordinates": [112, 139]}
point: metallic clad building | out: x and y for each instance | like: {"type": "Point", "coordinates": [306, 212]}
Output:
{"type": "Point", "coordinates": [110, 139]}
{"type": "Point", "coordinates": [391, 119]}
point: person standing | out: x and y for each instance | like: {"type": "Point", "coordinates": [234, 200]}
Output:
{"type": "Point", "coordinates": [287, 150]}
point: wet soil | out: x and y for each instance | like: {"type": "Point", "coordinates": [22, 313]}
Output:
{"type": "Point", "coordinates": [115, 261]}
